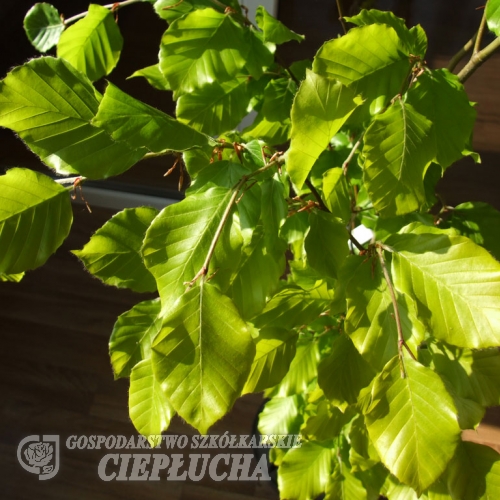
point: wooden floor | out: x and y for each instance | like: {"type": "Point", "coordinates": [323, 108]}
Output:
{"type": "Point", "coordinates": [56, 379]}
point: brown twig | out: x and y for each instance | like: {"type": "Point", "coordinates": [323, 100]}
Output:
{"type": "Point", "coordinates": [341, 16]}
{"type": "Point", "coordinates": [401, 340]}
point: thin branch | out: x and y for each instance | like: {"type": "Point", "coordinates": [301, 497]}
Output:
{"type": "Point", "coordinates": [401, 340]}
{"type": "Point", "coordinates": [461, 53]}
{"type": "Point", "coordinates": [478, 59]}
{"type": "Point", "coordinates": [351, 155]}
{"type": "Point", "coordinates": [315, 193]}
{"type": "Point", "coordinates": [70, 180]}
{"type": "Point", "coordinates": [111, 6]}
{"type": "Point", "coordinates": [277, 159]}
{"type": "Point", "coordinates": [356, 243]}
{"type": "Point", "coordinates": [341, 16]}
{"type": "Point", "coordinates": [480, 33]}
{"type": "Point", "coordinates": [323, 207]}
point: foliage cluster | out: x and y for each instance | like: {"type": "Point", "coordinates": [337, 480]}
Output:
{"type": "Point", "coordinates": [378, 352]}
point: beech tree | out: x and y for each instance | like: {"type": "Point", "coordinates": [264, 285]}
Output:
{"type": "Point", "coordinates": [378, 351]}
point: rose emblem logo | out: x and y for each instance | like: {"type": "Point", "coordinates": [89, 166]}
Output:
{"type": "Point", "coordinates": [39, 454]}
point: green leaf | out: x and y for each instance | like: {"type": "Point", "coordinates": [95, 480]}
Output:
{"type": "Point", "coordinates": [319, 110]}
{"type": "Point", "coordinates": [404, 419]}
{"type": "Point", "coordinates": [113, 252]}
{"type": "Point", "coordinates": [274, 210]}
{"type": "Point", "coordinates": [221, 173]}
{"type": "Point", "coordinates": [474, 472]}
{"type": "Point", "coordinates": [257, 277]}
{"type": "Point", "coordinates": [154, 77]}
{"type": "Point", "coordinates": [202, 356]}
{"type": "Point", "coordinates": [343, 373]}
{"type": "Point", "coordinates": [292, 307]}
{"type": "Point", "coordinates": [215, 107]}
{"type": "Point", "coordinates": [50, 105]}
{"type": "Point", "coordinates": [35, 218]}
{"type": "Point", "coordinates": [326, 423]}
{"type": "Point", "coordinates": [127, 119]}
{"type": "Point", "coordinates": [493, 16]}
{"type": "Point", "coordinates": [336, 194]}
{"type": "Point", "coordinates": [149, 408]}
{"type": "Point", "coordinates": [326, 243]}
{"type": "Point", "coordinates": [441, 270]}
{"type": "Point", "coordinates": [13, 278]}
{"type": "Point", "coordinates": [274, 30]}
{"type": "Point", "coordinates": [474, 374]}
{"type": "Point", "coordinates": [344, 485]}
{"type": "Point", "coordinates": [373, 58]}
{"type": "Point", "coordinates": [93, 44]}
{"type": "Point", "coordinates": [303, 369]}
{"type": "Point", "coordinates": [282, 415]}
{"type": "Point", "coordinates": [397, 151]}
{"type": "Point", "coordinates": [410, 37]}
{"type": "Point", "coordinates": [304, 472]}
{"type": "Point", "coordinates": [440, 97]}
{"type": "Point", "coordinates": [178, 9]}
{"type": "Point", "coordinates": [260, 55]}
{"type": "Point", "coordinates": [275, 351]}
{"type": "Point", "coordinates": [370, 319]}
{"type": "Point", "coordinates": [480, 222]}
{"type": "Point", "coordinates": [362, 454]}
{"type": "Point", "coordinates": [272, 123]}
{"type": "Point", "coordinates": [132, 335]}
{"type": "Point", "coordinates": [177, 242]}
{"type": "Point", "coordinates": [43, 26]}
{"type": "Point", "coordinates": [202, 47]}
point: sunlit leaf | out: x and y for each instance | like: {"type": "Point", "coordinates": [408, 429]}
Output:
{"type": "Point", "coordinates": [132, 335]}
{"type": "Point", "coordinates": [113, 252]}
{"type": "Point", "coordinates": [275, 351]}
{"type": "Point", "coordinates": [93, 44]}
{"type": "Point", "coordinates": [139, 125]}
{"type": "Point", "coordinates": [305, 471]}
{"type": "Point", "coordinates": [370, 320]}
{"type": "Point", "coordinates": [178, 240]}
{"type": "Point", "coordinates": [293, 306]}
{"type": "Point", "coordinates": [480, 222]}
{"type": "Point", "coordinates": [202, 47]}
{"type": "Point", "coordinates": [202, 356]}
{"type": "Point", "coordinates": [50, 105]}
{"type": "Point", "coordinates": [154, 77]}
{"type": "Point", "coordinates": [397, 151]}
{"type": "Point", "coordinates": [43, 26]}
{"type": "Point", "coordinates": [440, 270]}
{"type": "Point", "coordinates": [149, 408]}
{"type": "Point", "coordinates": [320, 108]}
{"type": "Point", "coordinates": [35, 218]}
{"type": "Point", "coordinates": [274, 30]}
{"type": "Point", "coordinates": [344, 485]}
{"type": "Point", "coordinates": [440, 97]}
{"type": "Point", "coordinates": [406, 416]}
{"type": "Point", "coordinates": [215, 107]}
{"type": "Point", "coordinates": [493, 16]}
{"type": "Point", "coordinates": [272, 123]}
{"type": "Point", "coordinates": [373, 58]}
{"type": "Point", "coordinates": [412, 38]}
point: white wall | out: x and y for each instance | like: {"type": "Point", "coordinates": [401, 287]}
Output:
{"type": "Point", "coordinates": [270, 5]}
